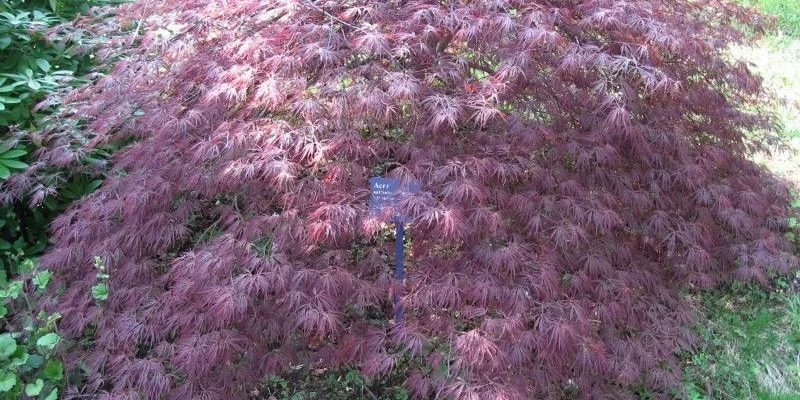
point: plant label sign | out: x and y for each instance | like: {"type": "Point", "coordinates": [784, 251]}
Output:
{"type": "Point", "coordinates": [387, 192]}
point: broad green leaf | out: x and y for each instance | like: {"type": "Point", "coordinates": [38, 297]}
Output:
{"type": "Point", "coordinates": [93, 160]}
{"type": "Point", "coordinates": [5, 41]}
{"type": "Point", "coordinates": [27, 264]}
{"type": "Point", "coordinates": [2, 106]}
{"type": "Point", "coordinates": [13, 163]}
{"type": "Point", "coordinates": [54, 370]}
{"type": "Point", "coordinates": [20, 360]}
{"type": "Point", "coordinates": [17, 77]}
{"type": "Point", "coordinates": [35, 361]}
{"type": "Point", "coordinates": [9, 100]}
{"type": "Point", "coordinates": [52, 318]}
{"type": "Point", "coordinates": [54, 5]}
{"type": "Point", "coordinates": [14, 289]}
{"type": "Point", "coordinates": [796, 203]}
{"type": "Point", "coordinates": [34, 84]}
{"type": "Point", "coordinates": [22, 36]}
{"type": "Point", "coordinates": [7, 380]}
{"type": "Point", "coordinates": [19, 80]}
{"type": "Point", "coordinates": [4, 172]}
{"type": "Point", "coordinates": [100, 291]}
{"type": "Point", "coordinates": [94, 185]}
{"type": "Point", "coordinates": [41, 279]}
{"type": "Point", "coordinates": [33, 389]}
{"type": "Point", "coordinates": [3, 311]}
{"type": "Point", "coordinates": [53, 395]}
{"type": "Point", "coordinates": [48, 341]}
{"type": "Point", "coordinates": [43, 64]}
{"type": "Point", "coordinates": [7, 345]}
{"type": "Point", "coordinates": [13, 153]}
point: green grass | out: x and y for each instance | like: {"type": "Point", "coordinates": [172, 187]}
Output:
{"type": "Point", "coordinates": [750, 338]}
{"type": "Point", "coordinates": [749, 345]}
{"type": "Point", "coordinates": [787, 12]}
{"type": "Point", "coordinates": [776, 59]}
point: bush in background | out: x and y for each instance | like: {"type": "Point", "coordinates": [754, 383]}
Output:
{"type": "Point", "coordinates": [36, 60]}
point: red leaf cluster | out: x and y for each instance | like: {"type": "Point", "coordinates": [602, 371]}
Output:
{"type": "Point", "coordinates": [580, 161]}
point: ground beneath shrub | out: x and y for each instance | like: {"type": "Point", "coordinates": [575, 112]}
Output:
{"type": "Point", "coordinates": [749, 344]}
{"type": "Point", "coordinates": [750, 338]}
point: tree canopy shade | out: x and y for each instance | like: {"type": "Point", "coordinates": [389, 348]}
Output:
{"type": "Point", "coordinates": [581, 162]}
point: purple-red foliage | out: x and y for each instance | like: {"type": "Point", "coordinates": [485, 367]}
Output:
{"type": "Point", "coordinates": [581, 162]}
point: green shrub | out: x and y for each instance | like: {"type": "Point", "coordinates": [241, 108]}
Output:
{"type": "Point", "coordinates": [30, 65]}
{"type": "Point", "coordinates": [749, 344]}
{"type": "Point", "coordinates": [27, 362]}
{"type": "Point", "coordinates": [33, 65]}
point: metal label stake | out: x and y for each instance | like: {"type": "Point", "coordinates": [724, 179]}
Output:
{"type": "Point", "coordinates": [387, 192]}
{"type": "Point", "coordinates": [399, 266]}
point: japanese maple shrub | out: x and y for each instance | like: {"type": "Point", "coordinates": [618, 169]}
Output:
{"type": "Point", "coordinates": [581, 162]}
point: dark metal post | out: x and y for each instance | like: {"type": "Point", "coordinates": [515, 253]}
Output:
{"type": "Point", "coordinates": [400, 270]}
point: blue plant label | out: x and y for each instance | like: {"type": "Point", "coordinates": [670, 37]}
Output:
{"type": "Point", "coordinates": [387, 192]}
